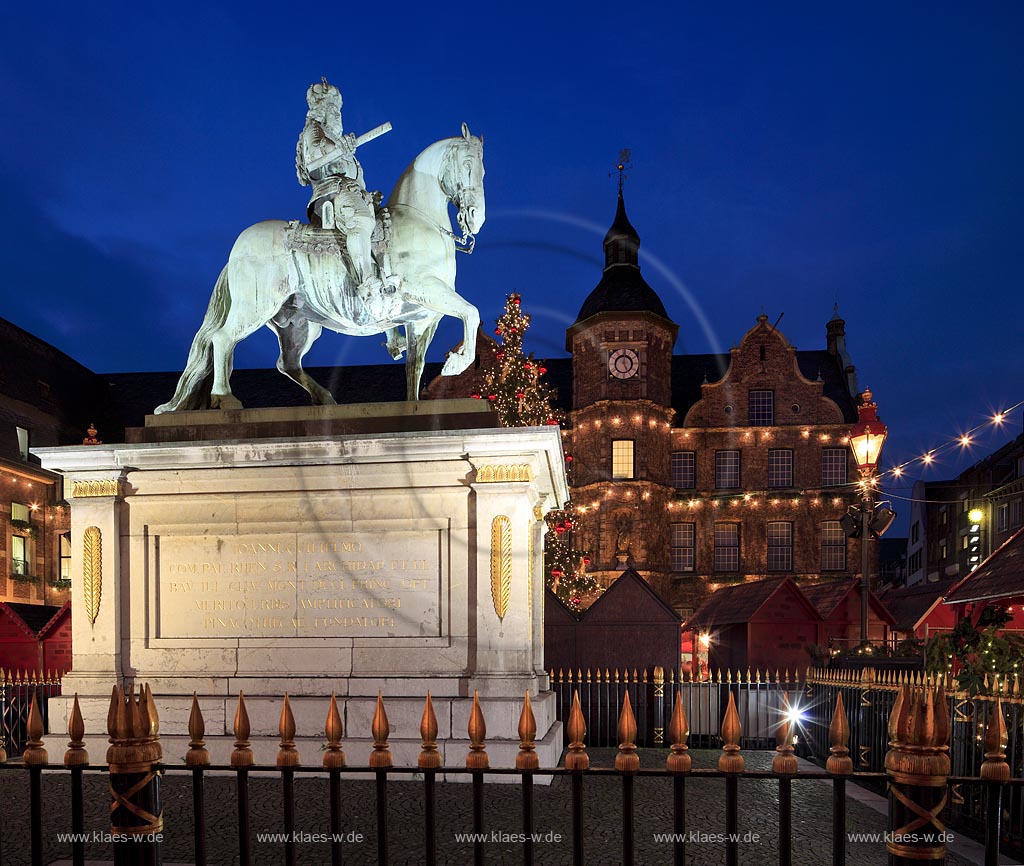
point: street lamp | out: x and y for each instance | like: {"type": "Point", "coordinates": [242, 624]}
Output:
{"type": "Point", "coordinates": [866, 440]}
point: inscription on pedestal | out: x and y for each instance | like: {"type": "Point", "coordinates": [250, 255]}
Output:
{"type": "Point", "coordinates": [360, 584]}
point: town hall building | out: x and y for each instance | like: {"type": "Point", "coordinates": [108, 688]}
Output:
{"type": "Point", "coordinates": [701, 471]}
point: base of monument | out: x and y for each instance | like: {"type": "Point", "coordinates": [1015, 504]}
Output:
{"type": "Point", "coordinates": [355, 550]}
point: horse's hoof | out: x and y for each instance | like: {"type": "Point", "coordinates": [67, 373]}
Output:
{"type": "Point", "coordinates": [455, 364]}
{"type": "Point", "coordinates": [397, 348]}
{"type": "Point", "coordinates": [225, 402]}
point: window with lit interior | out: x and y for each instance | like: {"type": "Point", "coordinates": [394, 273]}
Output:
{"type": "Point", "coordinates": [622, 458]}
{"type": "Point", "coordinates": [65, 556]}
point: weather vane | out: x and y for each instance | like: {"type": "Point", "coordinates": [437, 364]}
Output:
{"type": "Point", "coordinates": [625, 162]}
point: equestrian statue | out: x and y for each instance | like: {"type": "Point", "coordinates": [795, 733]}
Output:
{"type": "Point", "coordinates": [357, 268]}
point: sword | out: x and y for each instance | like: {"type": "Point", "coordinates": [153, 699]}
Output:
{"type": "Point", "coordinates": [376, 132]}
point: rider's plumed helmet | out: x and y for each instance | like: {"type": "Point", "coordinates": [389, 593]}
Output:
{"type": "Point", "coordinates": [321, 91]}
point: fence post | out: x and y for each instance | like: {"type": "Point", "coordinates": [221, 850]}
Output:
{"type": "Point", "coordinates": [731, 762]}
{"type": "Point", "coordinates": [918, 767]}
{"type": "Point", "coordinates": [577, 760]}
{"type": "Point", "coordinates": [996, 773]}
{"type": "Point", "coordinates": [136, 815]}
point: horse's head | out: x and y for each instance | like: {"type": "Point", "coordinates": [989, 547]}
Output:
{"type": "Point", "coordinates": [462, 179]}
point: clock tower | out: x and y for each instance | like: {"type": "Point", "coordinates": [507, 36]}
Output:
{"type": "Point", "coordinates": [622, 416]}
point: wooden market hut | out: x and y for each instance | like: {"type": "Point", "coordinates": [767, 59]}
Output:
{"type": "Point", "coordinates": [761, 625]}
{"type": "Point", "coordinates": [25, 631]}
{"type": "Point", "coordinates": [628, 626]}
{"type": "Point", "coordinates": [999, 580]}
{"type": "Point", "coordinates": [838, 602]}
{"type": "Point", "coordinates": [917, 610]}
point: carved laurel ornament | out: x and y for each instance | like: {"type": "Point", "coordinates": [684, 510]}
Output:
{"type": "Point", "coordinates": [92, 571]}
{"type": "Point", "coordinates": [85, 489]}
{"type": "Point", "coordinates": [501, 564]}
{"type": "Point", "coordinates": [491, 473]}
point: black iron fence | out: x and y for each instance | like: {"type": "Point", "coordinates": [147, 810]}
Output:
{"type": "Point", "coordinates": [16, 691]}
{"type": "Point", "coordinates": [917, 772]}
{"type": "Point", "coordinates": [869, 697]}
{"type": "Point", "coordinates": [758, 695]}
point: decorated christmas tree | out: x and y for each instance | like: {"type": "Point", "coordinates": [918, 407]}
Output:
{"type": "Point", "coordinates": [515, 387]}
{"type": "Point", "coordinates": [522, 398]}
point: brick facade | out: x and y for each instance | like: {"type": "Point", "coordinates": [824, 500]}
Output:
{"type": "Point", "coordinates": [805, 404]}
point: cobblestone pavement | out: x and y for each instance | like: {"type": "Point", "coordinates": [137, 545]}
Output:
{"type": "Point", "coordinates": [602, 806]}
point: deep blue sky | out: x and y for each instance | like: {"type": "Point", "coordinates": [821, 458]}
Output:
{"type": "Point", "coordinates": [785, 156]}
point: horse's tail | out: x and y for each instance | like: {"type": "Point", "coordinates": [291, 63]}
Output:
{"type": "Point", "coordinates": [193, 391]}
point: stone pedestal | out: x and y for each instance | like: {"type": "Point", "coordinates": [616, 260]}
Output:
{"type": "Point", "coordinates": [394, 548]}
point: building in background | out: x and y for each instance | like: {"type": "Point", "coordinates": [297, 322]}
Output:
{"type": "Point", "coordinates": [956, 524]}
{"type": "Point", "coordinates": [46, 399]}
{"type": "Point", "coordinates": [702, 471]}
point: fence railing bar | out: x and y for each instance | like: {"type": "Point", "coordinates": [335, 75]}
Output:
{"type": "Point", "coordinates": [334, 760]}
{"type": "Point", "coordinates": [241, 761]}
{"type": "Point", "coordinates": [380, 760]}
{"type": "Point", "coordinates": [428, 761]}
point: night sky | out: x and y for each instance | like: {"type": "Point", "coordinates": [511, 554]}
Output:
{"type": "Point", "coordinates": [786, 157]}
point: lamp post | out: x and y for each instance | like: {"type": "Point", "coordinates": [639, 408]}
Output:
{"type": "Point", "coordinates": [866, 440]}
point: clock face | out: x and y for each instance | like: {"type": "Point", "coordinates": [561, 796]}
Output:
{"type": "Point", "coordinates": [623, 363]}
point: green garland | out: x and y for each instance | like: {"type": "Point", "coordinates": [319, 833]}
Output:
{"type": "Point", "coordinates": [977, 650]}
{"type": "Point", "coordinates": [25, 527]}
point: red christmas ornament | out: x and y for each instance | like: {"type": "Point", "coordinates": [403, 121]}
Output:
{"type": "Point", "coordinates": [529, 366]}
{"type": "Point", "coordinates": [515, 300]}
{"type": "Point", "coordinates": [499, 355]}
{"type": "Point", "coordinates": [520, 395]}
{"type": "Point", "coordinates": [542, 370]}
{"type": "Point", "coordinates": [557, 572]}
{"type": "Point", "coordinates": [551, 421]}
{"type": "Point", "coordinates": [586, 560]}
{"type": "Point", "coordinates": [512, 330]}
{"type": "Point", "coordinates": [497, 331]}
{"type": "Point", "coordinates": [568, 523]}
{"type": "Point", "coordinates": [476, 395]}
{"type": "Point", "coordinates": [559, 529]}
{"type": "Point", "coordinates": [575, 599]}
{"type": "Point", "coordinates": [492, 396]}
{"type": "Point", "coordinates": [568, 458]}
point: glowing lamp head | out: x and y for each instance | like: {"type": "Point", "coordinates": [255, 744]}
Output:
{"type": "Point", "coordinates": [867, 436]}
{"type": "Point", "coordinates": [705, 639]}
{"type": "Point", "coordinates": [975, 515]}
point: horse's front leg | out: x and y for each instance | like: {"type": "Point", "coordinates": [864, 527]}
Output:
{"type": "Point", "coordinates": [396, 343]}
{"type": "Point", "coordinates": [435, 294]}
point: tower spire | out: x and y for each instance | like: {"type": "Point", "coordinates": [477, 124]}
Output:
{"type": "Point", "coordinates": [625, 163]}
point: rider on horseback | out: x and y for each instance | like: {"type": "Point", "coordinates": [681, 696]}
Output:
{"type": "Point", "coordinates": [325, 158]}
